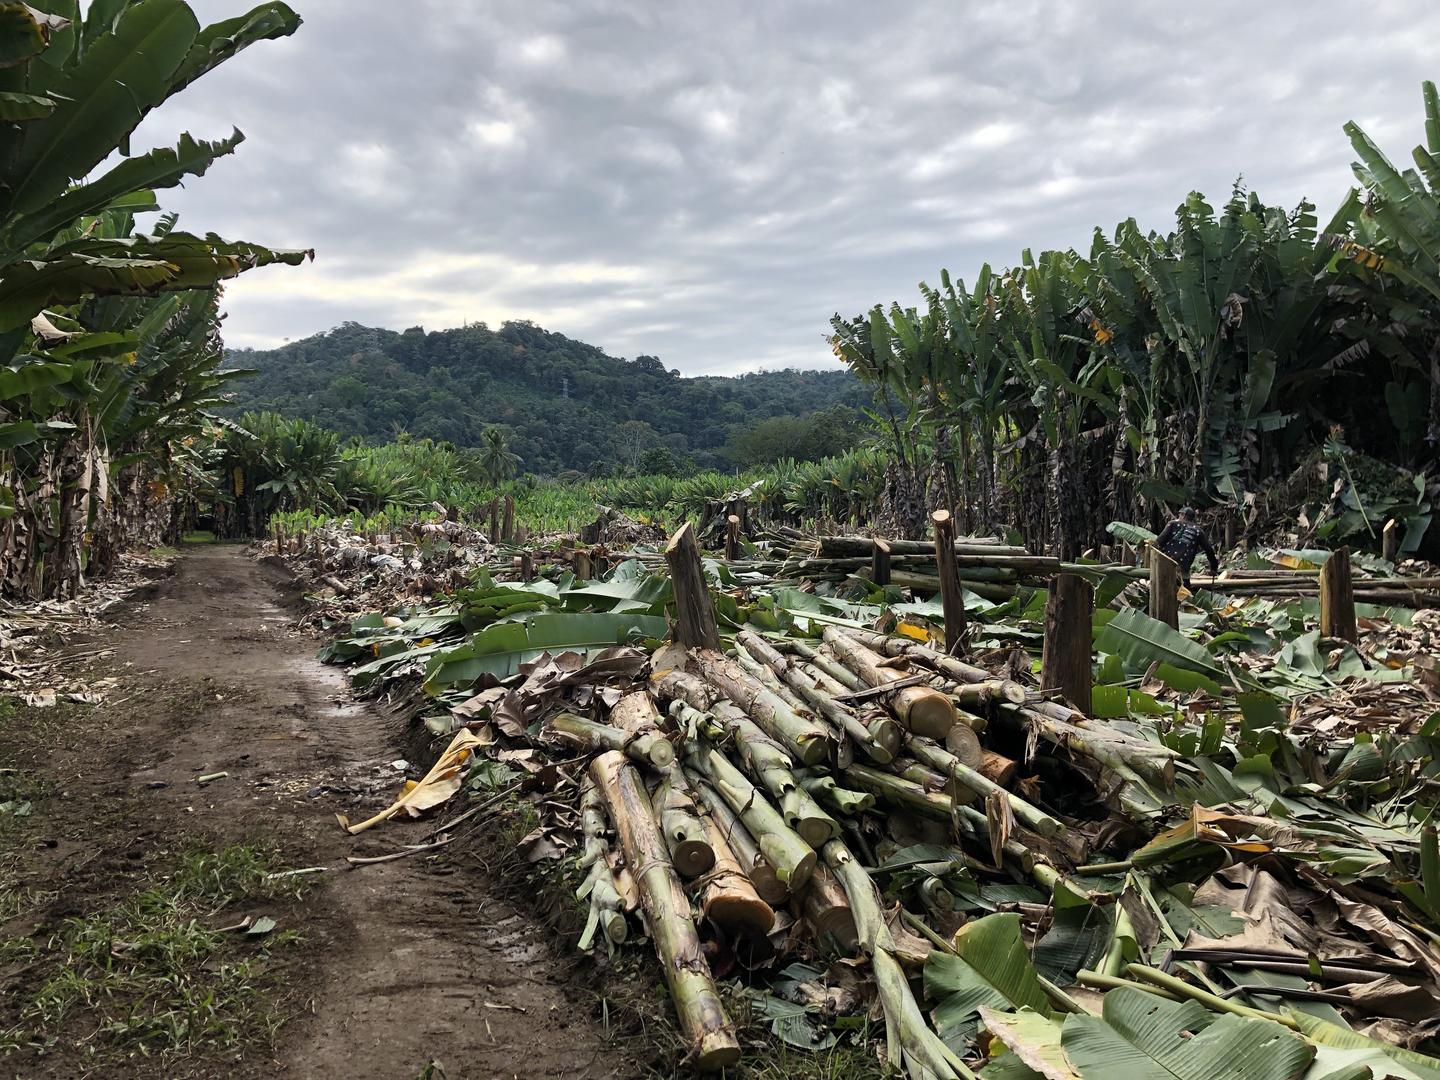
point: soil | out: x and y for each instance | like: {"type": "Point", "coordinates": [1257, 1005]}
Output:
{"type": "Point", "coordinates": [407, 968]}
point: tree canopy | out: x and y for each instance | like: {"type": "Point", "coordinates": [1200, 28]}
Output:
{"type": "Point", "coordinates": [564, 404]}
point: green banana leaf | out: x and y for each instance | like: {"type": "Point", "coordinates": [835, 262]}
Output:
{"type": "Point", "coordinates": [160, 168]}
{"type": "Point", "coordinates": [1333, 1040]}
{"type": "Point", "coordinates": [1141, 641]}
{"type": "Point", "coordinates": [1078, 937]}
{"type": "Point", "coordinates": [992, 969]}
{"type": "Point", "coordinates": [19, 107]}
{"type": "Point", "coordinates": [1032, 1039]}
{"type": "Point", "coordinates": [216, 43]}
{"type": "Point", "coordinates": [22, 34]}
{"type": "Point", "coordinates": [102, 98]}
{"type": "Point", "coordinates": [1139, 1036]}
{"type": "Point", "coordinates": [1115, 702]}
{"type": "Point", "coordinates": [647, 593]}
{"type": "Point", "coordinates": [500, 649]}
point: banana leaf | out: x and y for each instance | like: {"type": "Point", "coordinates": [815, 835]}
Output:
{"type": "Point", "coordinates": [1131, 534]}
{"type": "Point", "coordinates": [1114, 702]}
{"type": "Point", "coordinates": [646, 593]}
{"type": "Point", "coordinates": [1078, 936]}
{"type": "Point", "coordinates": [1334, 1041]}
{"type": "Point", "coordinates": [1031, 1038]}
{"type": "Point", "coordinates": [1143, 1037]}
{"type": "Point", "coordinates": [1141, 641]}
{"type": "Point", "coordinates": [992, 969]}
{"type": "Point", "coordinates": [500, 649]}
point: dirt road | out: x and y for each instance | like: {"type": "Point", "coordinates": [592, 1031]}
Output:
{"type": "Point", "coordinates": [402, 965]}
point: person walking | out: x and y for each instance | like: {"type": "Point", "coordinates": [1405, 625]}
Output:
{"type": "Point", "coordinates": [1183, 539]}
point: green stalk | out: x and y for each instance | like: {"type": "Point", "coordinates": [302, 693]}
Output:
{"type": "Point", "coordinates": [747, 851]}
{"type": "Point", "coordinates": [792, 858]}
{"type": "Point", "coordinates": [937, 805]}
{"type": "Point", "coordinates": [1115, 958]}
{"type": "Point", "coordinates": [767, 762]}
{"type": "Point", "coordinates": [1098, 981]}
{"type": "Point", "coordinates": [909, 1039]}
{"type": "Point", "coordinates": [648, 748]}
{"type": "Point", "coordinates": [940, 759]}
{"type": "Point", "coordinates": [808, 741]}
{"type": "Point", "coordinates": [878, 745]}
{"type": "Point", "coordinates": [707, 1028]}
{"type": "Point", "coordinates": [607, 908]}
{"type": "Point", "coordinates": [832, 794]}
{"type": "Point", "coordinates": [1209, 1000]}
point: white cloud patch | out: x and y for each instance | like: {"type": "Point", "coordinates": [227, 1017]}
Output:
{"type": "Point", "coordinates": [710, 184]}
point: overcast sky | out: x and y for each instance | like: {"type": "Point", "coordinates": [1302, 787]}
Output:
{"type": "Point", "coordinates": [709, 183]}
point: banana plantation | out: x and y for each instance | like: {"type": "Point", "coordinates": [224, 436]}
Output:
{"type": "Point", "coordinates": [111, 335]}
{"type": "Point", "coordinates": [1239, 362]}
{"type": "Point", "coordinates": [927, 758]}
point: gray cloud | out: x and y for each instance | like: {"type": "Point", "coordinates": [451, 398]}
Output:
{"type": "Point", "coordinates": [709, 183]}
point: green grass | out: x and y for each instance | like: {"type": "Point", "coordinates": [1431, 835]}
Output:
{"type": "Point", "coordinates": [199, 536]}
{"type": "Point", "coordinates": [158, 972]}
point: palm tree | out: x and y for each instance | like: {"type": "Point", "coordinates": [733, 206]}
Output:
{"type": "Point", "coordinates": [497, 460]}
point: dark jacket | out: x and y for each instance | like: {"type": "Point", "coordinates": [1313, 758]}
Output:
{"type": "Point", "coordinates": [1182, 541]}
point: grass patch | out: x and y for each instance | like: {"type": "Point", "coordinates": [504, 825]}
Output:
{"type": "Point", "coordinates": [162, 971]}
{"type": "Point", "coordinates": [20, 793]}
{"type": "Point", "coordinates": [199, 536]}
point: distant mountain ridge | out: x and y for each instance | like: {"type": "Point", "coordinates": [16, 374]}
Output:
{"type": "Point", "coordinates": [562, 401]}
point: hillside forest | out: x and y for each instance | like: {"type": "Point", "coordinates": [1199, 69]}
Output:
{"type": "Point", "coordinates": [562, 404]}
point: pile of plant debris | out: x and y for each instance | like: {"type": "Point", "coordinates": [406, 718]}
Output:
{"type": "Point", "coordinates": [1229, 868]}
{"type": "Point", "coordinates": [38, 657]}
{"type": "Point", "coordinates": [346, 571]}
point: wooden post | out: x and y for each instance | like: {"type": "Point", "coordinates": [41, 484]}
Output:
{"type": "Point", "coordinates": [732, 538]}
{"type": "Point", "coordinates": [694, 613]}
{"type": "Point", "coordinates": [527, 566]}
{"type": "Point", "coordinates": [880, 562]}
{"type": "Point", "coordinates": [1164, 589]}
{"type": "Point", "coordinates": [495, 520]}
{"type": "Point", "coordinates": [952, 599]}
{"type": "Point", "coordinates": [583, 570]}
{"type": "Point", "coordinates": [279, 539]}
{"type": "Point", "coordinates": [1390, 541]}
{"type": "Point", "coordinates": [1337, 598]}
{"type": "Point", "coordinates": [507, 532]}
{"type": "Point", "coordinates": [521, 533]}
{"type": "Point", "coordinates": [1069, 612]}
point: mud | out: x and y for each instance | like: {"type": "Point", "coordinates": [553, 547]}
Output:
{"type": "Point", "coordinates": [405, 964]}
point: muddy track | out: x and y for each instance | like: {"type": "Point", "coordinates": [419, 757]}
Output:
{"type": "Point", "coordinates": [404, 963]}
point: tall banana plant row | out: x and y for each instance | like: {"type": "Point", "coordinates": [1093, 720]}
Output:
{"type": "Point", "coordinates": [110, 351]}
{"type": "Point", "coordinates": [1201, 365]}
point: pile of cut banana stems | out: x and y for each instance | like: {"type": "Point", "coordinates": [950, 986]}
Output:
{"type": "Point", "coordinates": [739, 795]}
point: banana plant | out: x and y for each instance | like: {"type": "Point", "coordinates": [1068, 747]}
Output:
{"type": "Point", "coordinates": [97, 372]}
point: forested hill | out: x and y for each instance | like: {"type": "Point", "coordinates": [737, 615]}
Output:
{"type": "Point", "coordinates": [565, 404]}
